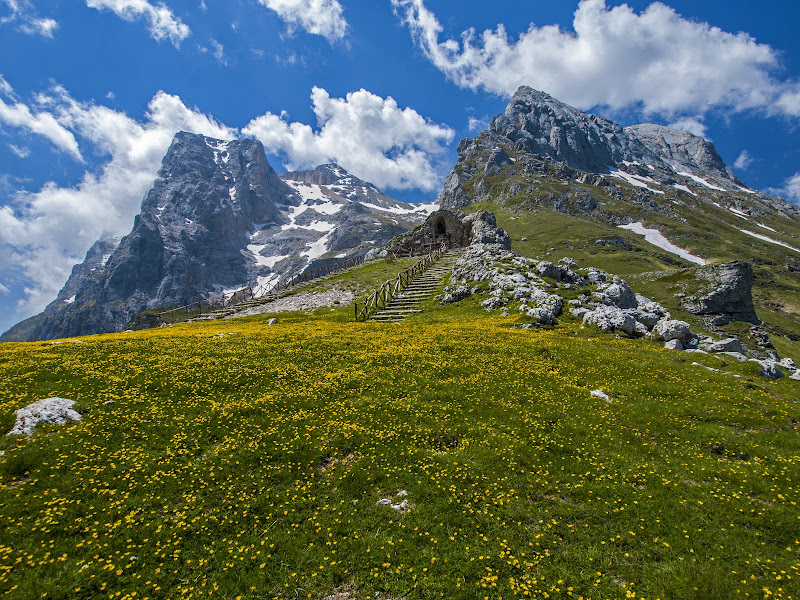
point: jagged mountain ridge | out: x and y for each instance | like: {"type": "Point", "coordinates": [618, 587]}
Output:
{"type": "Point", "coordinates": [217, 219]}
{"type": "Point", "coordinates": [537, 123]}
{"type": "Point", "coordinates": [540, 137]}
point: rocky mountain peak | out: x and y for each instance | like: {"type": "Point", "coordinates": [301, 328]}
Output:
{"type": "Point", "coordinates": [327, 174]}
{"type": "Point", "coordinates": [539, 124]}
{"type": "Point", "coordinates": [219, 219]}
{"type": "Point", "coordinates": [682, 150]}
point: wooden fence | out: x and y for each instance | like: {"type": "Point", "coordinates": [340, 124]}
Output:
{"type": "Point", "coordinates": [391, 288]}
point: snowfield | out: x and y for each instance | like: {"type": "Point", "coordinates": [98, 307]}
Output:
{"type": "Point", "coordinates": [655, 237]}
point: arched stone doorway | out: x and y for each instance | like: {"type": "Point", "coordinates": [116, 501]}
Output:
{"type": "Point", "coordinates": [439, 226]}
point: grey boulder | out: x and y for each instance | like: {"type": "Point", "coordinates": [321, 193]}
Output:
{"type": "Point", "coordinates": [611, 318]}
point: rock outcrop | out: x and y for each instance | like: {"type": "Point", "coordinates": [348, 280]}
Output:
{"type": "Point", "coordinates": [727, 294]}
{"type": "Point", "coordinates": [451, 229]}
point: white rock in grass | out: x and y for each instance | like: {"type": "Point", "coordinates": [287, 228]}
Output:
{"type": "Point", "coordinates": [673, 345]}
{"type": "Point", "coordinates": [601, 394]}
{"type": "Point", "coordinates": [50, 411]}
{"type": "Point", "coordinates": [668, 329]}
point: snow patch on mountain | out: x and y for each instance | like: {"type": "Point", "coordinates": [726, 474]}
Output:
{"type": "Point", "coordinates": [318, 248]}
{"type": "Point", "coordinates": [636, 180]}
{"type": "Point", "coordinates": [701, 181]}
{"type": "Point", "coordinates": [765, 238]}
{"type": "Point", "coordinates": [683, 188]}
{"type": "Point", "coordinates": [265, 261]}
{"type": "Point", "coordinates": [655, 237]}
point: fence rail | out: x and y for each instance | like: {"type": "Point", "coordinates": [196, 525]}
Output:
{"type": "Point", "coordinates": [391, 288]}
{"type": "Point", "coordinates": [249, 294]}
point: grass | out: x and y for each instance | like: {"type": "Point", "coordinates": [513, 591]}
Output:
{"type": "Point", "coordinates": [249, 465]}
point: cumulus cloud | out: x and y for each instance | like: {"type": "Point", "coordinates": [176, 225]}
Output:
{"type": "Point", "coordinates": [790, 190]}
{"type": "Point", "coordinates": [17, 114]}
{"type": "Point", "coordinates": [48, 231]}
{"type": "Point", "coordinates": [789, 101]}
{"type": "Point", "coordinates": [320, 17]}
{"type": "Point", "coordinates": [693, 125]}
{"type": "Point", "coordinates": [744, 161]}
{"type": "Point", "coordinates": [161, 22]}
{"type": "Point", "coordinates": [656, 61]}
{"type": "Point", "coordinates": [23, 13]}
{"type": "Point", "coordinates": [478, 124]}
{"type": "Point", "coordinates": [370, 136]}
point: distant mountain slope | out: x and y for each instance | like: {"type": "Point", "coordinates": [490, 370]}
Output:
{"type": "Point", "coordinates": [217, 219]}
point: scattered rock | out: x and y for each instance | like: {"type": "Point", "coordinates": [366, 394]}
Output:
{"type": "Point", "coordinates": [600, 394]}
{"type": "Point", "coordinates": [542, 316]}
{"type": "Point", "coordinates": [580, 312]}
{"type": "Point", "coordinates": [457, 295]}
{"type": "Point", "coordinates": [400, 507]}
{"type": "Point", "coordinates": [673, 344]}
{"type": "Point", "coordinates": [569, 263]}
{"type": "Point", "coordinates": [737, 355]}
{"type": "Point", "coordinates": [726, 345]}
{"type": "Point", "coordinates": [668, 330]}
{"type": "Point", "coordinates": [619, 294]}
{"type": "Point", "coordinates": [272, 321]}
{"type": "Point", "coordinates": [646, 318]}
{"type": "Point", "coordinates": [491, 304]}
{"type": "Point", "coordinates": [50, 411]}
{"type": "Point", "coordinates": [301, 301]}
{"type": "Point", "coordinates": [375, 254]}
{"type": "Point", "coordinates": [769, 369]}
{"type": "Point", "coordinates": [611, 318]}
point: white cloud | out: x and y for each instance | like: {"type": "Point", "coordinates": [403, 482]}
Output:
{"type": "Point", "coordinates": [42, 123]}
{"type": "Point", "coordinates": [478, 124]}
{"type": "Point", "coordinates": [28, 21]}
{"type": "Point", "coordinates": [161, 21]}
{"type": "Point", "coordinates": [44, 27]}
{"type": "Point", "coordinates": [6, 90]}
{"type": "Point", "coordinates": [320, 17]}
{"type": "Point", "coordinates": [370, 136]}
{"type": "Point", "coordinates": [790, 190]}
{"type": "Point", "coordinates": [744, 161]}
{"type": "Point", "coordinates": [50, 230]}
{"type": "Point", "coordinates": [655, 60]}
{"type": "Point", "coordinates": [789, 100]}
{"type": "Point", "coordinates": [693, 125]}
{"type": "Point", "coordinates": [218, 52]}
{"type": "Point", "coordinates": [21, 151]}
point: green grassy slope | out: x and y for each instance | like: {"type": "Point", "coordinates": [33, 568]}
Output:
{"type": "Point", "coordinates": [235, 459]}
{"type": "Point", "coordinates": [551, 235]}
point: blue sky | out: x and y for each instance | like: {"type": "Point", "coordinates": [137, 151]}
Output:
{"type": "Point", "coordinates": [92, 91]}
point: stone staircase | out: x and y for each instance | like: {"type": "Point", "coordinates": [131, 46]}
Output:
{"type": "Point", "coordinates": [420, 289]}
